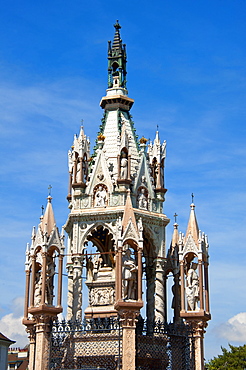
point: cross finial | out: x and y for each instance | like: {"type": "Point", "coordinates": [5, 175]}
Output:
{"type": "Point", "coordinates": [157, 127]}
{"type": "Point", "coordinates": [82, 122]}
{"type": "Point", "coordinates": [175, 217]}
{"type": "Point", "coordinates": [49, 190]}
{"type": "Point", "coordinates": [42, 209]}
{"type": "Point", "coordinates": [192, 197]}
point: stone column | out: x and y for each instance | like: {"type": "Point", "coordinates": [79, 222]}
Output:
{"type": "Point", "coordinates": [159, 293]}
{"type": "Point", "coordinates": [199, 330]}
{"type": "Point", "coordinates": [182, 286]}
{"type": "Point", "coordinates": [33, 281]}
{"type": "Point", "coordinates": [74, 170]}
{"type": "Point", "coordinates": [119, 274]}
{"type": "Point", "coordinates": [27, 294]}
{"type": "Point", "coordinates": [44, 276]}
{"type": "Point", "coordinates": [31, 332]}
{"type": "Point", "coordinates": [158, 180]}
{"type": "Point", "coordinates": [176, 298]}
{"type": "Point", "coordinates": [59, 288]}
{"type": "Point", "coordinates": [206, 287]}
{"type": "Point", "coordinates": [70, 292]}
{"type": "Point", "coordinates": [128, 340]}
{"type": "Point", "coordinates": [77, 288]}
{"type": "Point", "coordinates": [42, 349]}
{"type": "Point", "coordinates": [150, 278]}
{"type": "Point", "coordinates": [201, 285]}
{"type": "Point", "coordinates": [139, 294]}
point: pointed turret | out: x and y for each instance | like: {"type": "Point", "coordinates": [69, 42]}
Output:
{"type": "Point", "coordinates": [48, 222]}
{"type": "Point", "coordinates": [192, 228]}
{"type": "Point", "coordinates": [157, 155]}
{"type": "Point", "coordinates": [175, 237]}
{"type": "Point", "coordinates": [129, 214]}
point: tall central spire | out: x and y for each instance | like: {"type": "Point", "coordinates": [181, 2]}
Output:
{"type": "Point", "coordinates": [117, 60]}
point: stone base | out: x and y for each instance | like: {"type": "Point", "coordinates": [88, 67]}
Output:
{"type": "Point", "coordinates": [100, 311]}
{"type": "Point", "coordinates": [197, 315]}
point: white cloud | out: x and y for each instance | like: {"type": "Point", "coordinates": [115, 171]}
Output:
{"type": "Point", "coordinates": [234, 330]}
{"type": "Point", "coordinates": [11, 324]}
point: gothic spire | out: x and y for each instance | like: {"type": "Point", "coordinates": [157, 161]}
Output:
{"type": "Point", "coordinates": [48, 221]}
{"type": "Point", "coordinates": [117, 60]}
{"type": "Point", "coordinates": [117, 39]}
{"type": "Point", "coordinates": [192, 228]}
{"type": "Point", "coordinates": [175, 237]}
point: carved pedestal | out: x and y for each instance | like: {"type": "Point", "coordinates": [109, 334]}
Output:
{"type": "Point", "coordinates": [101, 294]}
{"type": "Point", "coordinates": [128, 311]}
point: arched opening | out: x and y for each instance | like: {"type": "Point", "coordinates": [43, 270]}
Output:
{"type": "Point", "coordinates": [99, 273]}
{"type": "Point", "coordinates": [191, 286]}
{"type": "Point", "coordinates": [149, 276]}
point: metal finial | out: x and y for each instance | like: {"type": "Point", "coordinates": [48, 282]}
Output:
{"type": "Point", "coordinates": [42, 209]}
{"type": "Point", "coordinates": [117, 25]}
{"type": "Point", "coordinates": [49, 190]}
{"type": "Point", "coordinates": [82, 122]}
{"type": "Point", "coordinates": [192, 197]}
{"type": "Point", "coordinates": [157, 127]}
{"type": "Point", "coordinates": [175, 217]}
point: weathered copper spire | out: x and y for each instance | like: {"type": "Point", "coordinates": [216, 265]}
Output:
{"type": "Point", "coordinates": [117, 40]}
{"type": "Point", "coordinates": [117, 60]}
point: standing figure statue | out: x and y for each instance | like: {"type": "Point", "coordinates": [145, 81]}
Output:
{"type": "Point", "coordinates": [129, 276]}
{"type": "Point", "coordinates": [123, 166]}
{"type": "Point", "coordinates": [100, 197]}
{"type": "Point", "coordinates": [38, 289]}
{"type": "Point", "coordinates": [192, 288]}
{"type": "Point", "coordinates": [89, 268]}
{"type": "Point", "coordinates": [142, 200]}
{"type": "Point", "coordinates": [50, 280]}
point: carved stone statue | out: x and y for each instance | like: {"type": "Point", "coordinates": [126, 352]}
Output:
{"type": "Point", "coordinates": [85, 169]}
{"type": "Point", "coordinates": [129, 275]}
{"type": "Point", "coordinates": [192, 288]}
{"type": "Point", "coordinates": [89, 268]}
{"type": "Point", "coordinates": [50, 280]}
{"type": "Point", "coordinates": [123, 166]}
{"type": "Point", "coordinates": [142, 200]}
{"type": "Point", "coordinates": [38, 289]}
{"type": "Point", "coordinates": [100, 197]}
{"type": "Point", "coordinates": [78, 173]}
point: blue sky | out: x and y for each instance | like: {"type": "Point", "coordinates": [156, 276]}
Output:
{"type": "Point", "coordinates": [186, 73]}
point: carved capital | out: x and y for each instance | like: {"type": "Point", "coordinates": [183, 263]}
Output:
{"type": "Point", "coordinates": [128, 318]}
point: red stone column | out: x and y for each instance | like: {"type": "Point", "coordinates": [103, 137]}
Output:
{"type": "Point", "coordinates": [139, 274]}
{"type": "Point", "coordinates": [182, 286]}
{"type": "Point", "coordinates": [201, 285]}
{"type": "Point", "coordinates": [206, 287]}
{"type": "Point", "coordinates": [158, 182]}
{"type": "Point", "coordinates": [74, 170]}
{"type": "Point", "coordinates": [59, 288]}
{"type": "Point", "coordinates": [33, 281]}
{"type": "Point", "coordinates": [27, 294]}
{"type": "Point", "coordinates": [44, 255]}
{"type": "Point", "coordinates": [120, 273]}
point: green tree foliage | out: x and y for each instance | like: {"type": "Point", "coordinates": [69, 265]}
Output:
{"type": "Point", "coordinates": [233, 359]}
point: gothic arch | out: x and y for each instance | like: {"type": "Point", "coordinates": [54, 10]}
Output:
{"type": "Point", "coordinates": [102, 238]}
